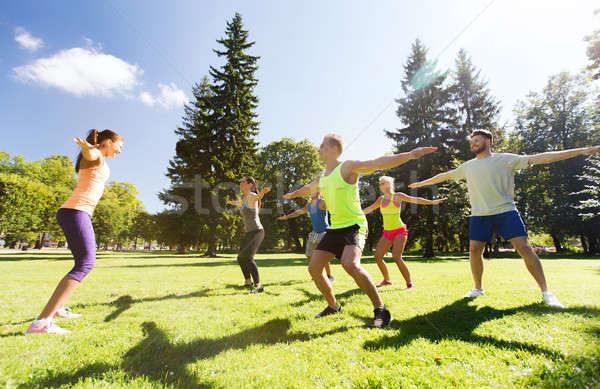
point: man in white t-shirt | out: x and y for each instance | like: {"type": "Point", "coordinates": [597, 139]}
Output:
{"type": "Point", "coordinates": [490, 183]}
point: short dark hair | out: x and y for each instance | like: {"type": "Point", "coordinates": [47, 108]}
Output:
{"type": "Point", "coordinates": [485, 133]}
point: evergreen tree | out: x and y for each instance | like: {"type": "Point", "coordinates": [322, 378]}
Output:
{"type": "Point", "coordinates": [428, 120]}
{"type": "Point", "coordinates": [476, 108]}
{"type": "Point", "coordinates": [216, 146]}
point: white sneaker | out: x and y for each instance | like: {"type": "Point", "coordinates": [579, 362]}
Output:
{"type": "Point", "coordinates": [474, 293]}
{"type": "Point", "coordinates": [45, 326]}
{"type": "Point", "coordinates": [551, 300]}
{"type": "Point", "coordinates": [66, 313]}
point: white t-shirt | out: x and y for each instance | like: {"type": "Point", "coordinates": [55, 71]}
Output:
{"type": "Point", "coordinates": [490, 182]}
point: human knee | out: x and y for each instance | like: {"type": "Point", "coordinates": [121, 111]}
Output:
{"type": "Point", "coordinates": [351, 267]}
{"type": "Point", "coordinates": [80, 271]}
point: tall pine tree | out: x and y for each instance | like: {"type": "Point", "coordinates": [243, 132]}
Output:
{"type": "Point", "coordinates": [217, 140]}
{"type": "Point", "coordinates": [427, 118]}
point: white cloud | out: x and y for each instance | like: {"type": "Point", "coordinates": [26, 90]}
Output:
{"type": "Point", "coordinates": [170, 96]}
{"type": "Point", "coordinates": [81, 72]}
{"type": "Point", "coordinates": [26, 41]}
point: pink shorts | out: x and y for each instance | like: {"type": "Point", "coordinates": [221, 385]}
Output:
{"type": "Point", "coordinates": [391, 235]}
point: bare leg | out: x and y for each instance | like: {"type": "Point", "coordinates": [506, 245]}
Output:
{"type": "Point", "coordinates": [351, 263]}
{"type": "Point", "coordinates": [315, 268]}
{"type": "Point", "coordinates": [327, 266]}
{"type": "Point", "coordinates": [383, 246]}
{"type": "Point", "coordinates": [61, 294]}
{"type": "Point", "coordinates": [532, 261]}
{"type": "Point", "coordinates": [399, 243]}
{"type": "Point", "coordinates": [476, 260]}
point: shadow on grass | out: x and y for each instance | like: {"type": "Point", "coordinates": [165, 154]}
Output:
{"type": "Point", "coordinates": [225, 261]}
{"type": "Point", "coordinates": [459, 320]}
{"type": "Point", "coordinates": [156, 358]}
{"type": "Point", "coordinates": [36, 257]}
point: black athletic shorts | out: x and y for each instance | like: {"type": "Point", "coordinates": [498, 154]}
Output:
{"type": "Point", "coordinates": [335, 240]}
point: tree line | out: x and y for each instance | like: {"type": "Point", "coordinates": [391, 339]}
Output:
{"type": "Point", "coordinates": [217, 146]}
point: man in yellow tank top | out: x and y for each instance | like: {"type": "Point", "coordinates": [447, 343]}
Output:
{"type": "Point", "coordinates": [346, 237]}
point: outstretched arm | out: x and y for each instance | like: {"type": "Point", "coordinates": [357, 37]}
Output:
{"type": "Point", "coordinates": [418, 200]}
{"type": "Point", "coordinates": [372, 207]}
{"type": "Point", "coordinates": [305, 190]}
{"type": "Point", "coordinates": [237, 203]}
{"type": "Point", "coordinates": [433, 180]}
{"type": "Point", "coordinates": [295, 213]}
{"type": "Point", "coordinates": [554, 156]}
{"type": "Point", "coordinates": [388, 161]}
{"type": "Point", "coordinates": [262, 192]}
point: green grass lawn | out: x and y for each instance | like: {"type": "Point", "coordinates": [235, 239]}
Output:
{"type": "Point", "coordinates": [165, 320]}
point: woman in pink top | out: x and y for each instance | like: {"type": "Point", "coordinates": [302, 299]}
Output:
{"type": "Point", "coordinates": [75, 219]}
{"type": "Point", "coordinates": [395, 233]}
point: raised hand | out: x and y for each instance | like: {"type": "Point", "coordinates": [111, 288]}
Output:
{"type": "Point", "coordinates": [84, 144]}
{"type": "Point", "coordinates": [421, 151]}
{"type": "Point", "coordinates": [438, 201]}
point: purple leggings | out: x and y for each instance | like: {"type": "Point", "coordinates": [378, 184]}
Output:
{"type": "Point", "coordinates": [78, 229]}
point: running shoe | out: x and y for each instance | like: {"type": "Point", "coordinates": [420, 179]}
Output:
{"type": "Point", "coordinates": [45, 326]}
{"type": "Point", "coordinates": [384, 283]}
{"type": "Point", "coordinates": [257, 289]}
{"type": "Point", "coordinates": [66, 313]}
{"type": "Point", "coordinates": [474, 293]}
{"type": "Point", "coordinates": [551, 300]}
{"type": "Point", "coordinates": [382, 317]}
{"type": "Point", "coordinates": [329, 311]}
{"type": "Point", "coordinates": [410, 287]}
{"type": "Point", "coordinates": [331, 279]}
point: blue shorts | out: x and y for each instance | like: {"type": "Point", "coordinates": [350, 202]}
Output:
{"type": "Point", "coordinates": [508, 224]}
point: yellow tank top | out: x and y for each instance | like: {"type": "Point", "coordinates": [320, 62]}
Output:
{"type": "Point", "coordinates": [90, 186]}
{"type": "Point", "coordinates": [342, 201]}
{"type": "Point", "coordinates": [391, 216]}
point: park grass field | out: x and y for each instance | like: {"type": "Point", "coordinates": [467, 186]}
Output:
{"type": "Point", "coordinates": [154, 320]}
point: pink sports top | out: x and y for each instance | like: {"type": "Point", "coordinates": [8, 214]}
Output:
{"type": "Point", "coordinates": [90, 186]}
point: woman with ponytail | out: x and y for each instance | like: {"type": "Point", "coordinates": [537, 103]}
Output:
{"type": "Point", "coordinates": [249, 208]}
{"type": "Point", "coordinates": [74, 218]}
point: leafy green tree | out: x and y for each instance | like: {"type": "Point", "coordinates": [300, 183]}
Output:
{"type": "Point", "coordinates": [427, 119]}
{"type": "Point", "coordinates": [558, 118]}
{"type": "Point", "coordinates": [286, 165]}
{"type": "Point", "coordinates": [24, 207]}
{"type": "Point", "coordinates": [593, 51]}
{"type": "Point", "coordinates": [113, 216]}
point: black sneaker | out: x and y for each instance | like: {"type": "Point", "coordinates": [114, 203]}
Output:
{"type": "Point", "coordinates": [329, 311]}
{"type": "Point", "coordinates": [382, 317]}
{"type": "Point", "coordinates": [257, 289]}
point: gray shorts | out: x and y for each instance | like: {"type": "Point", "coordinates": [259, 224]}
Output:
{"type": "Point", "coordinates": [313, 241]}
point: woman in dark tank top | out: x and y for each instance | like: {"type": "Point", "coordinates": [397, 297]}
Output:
{"type": "Point", "coordinates": [249, 208]}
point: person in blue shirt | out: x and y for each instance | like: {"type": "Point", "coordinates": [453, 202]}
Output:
{"type": "Point", "coordinates": [317, 209]}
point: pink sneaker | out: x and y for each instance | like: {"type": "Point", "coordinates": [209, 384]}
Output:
{"type": "Point", "coordinates": [45, 326]}
{"type": "Point", "coordinates": [66, 313]}
{"type": "Point", "coordinates": [384, 283]}
{"type": "Point", "coordinates": [410, 287]}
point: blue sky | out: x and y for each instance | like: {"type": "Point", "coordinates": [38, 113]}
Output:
{"type": "Point", "coordinates": [336, 66]}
